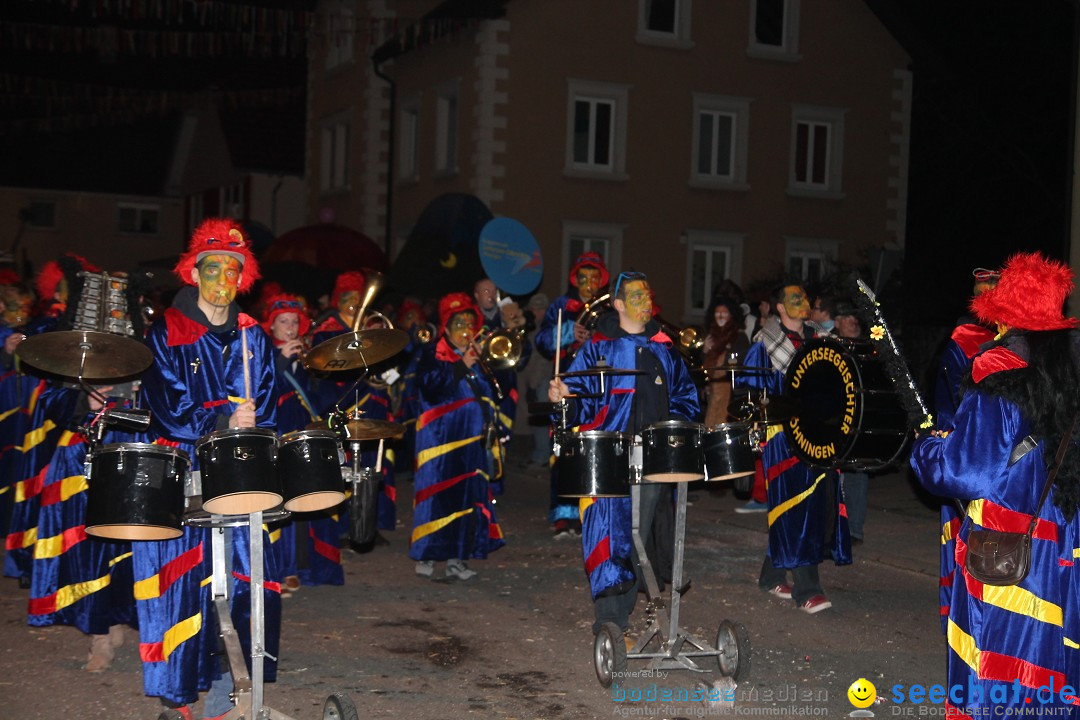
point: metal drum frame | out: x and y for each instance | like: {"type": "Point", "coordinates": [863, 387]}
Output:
{"type": "Point", "coordinates": [664, 644]}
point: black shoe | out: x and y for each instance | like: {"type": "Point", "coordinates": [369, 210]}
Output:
{"type": "Point", "coordinates": [856, 541]}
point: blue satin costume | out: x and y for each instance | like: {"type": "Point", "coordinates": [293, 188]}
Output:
{"type": "Point", "coordinates": [955, 359]}
{"type": "Point", "coordinates": [1022, 636]}
{"type": "Point", "coordinates": [195, 383]}
{"type": "Point", "coordinates": [453, 508]}
{"type": "Point", "coordinates": [798, 495]}
{"type": "Point", "coordinates": [606, 535]}
{"type": "Point", "coordinates": [78, 580]}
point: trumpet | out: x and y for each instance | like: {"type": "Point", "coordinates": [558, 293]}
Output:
{"type": "Point", "coordinates": [691, 340]}
{"type": "Point", "coordinates": [426, 333]}
{"type": "Point", "coordinates": [502, 348]}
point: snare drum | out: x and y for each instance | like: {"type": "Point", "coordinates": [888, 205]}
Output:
{"type": "Point", "coordinates": [593, 463]}
{"type": "Point", "coordinates": [728, 453]}
{"type": "Point", "coordinates": [309, 465]}
{"type": "Point", "coordinates": [672, 452]}
{"type": "Point", "coordinates": [238, 471]}
{"type": "Point", "coordinates": [136, 491]}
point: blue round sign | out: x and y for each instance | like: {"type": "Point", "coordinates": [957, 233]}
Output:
{"type": "Point", "coordinates": [511, 256]}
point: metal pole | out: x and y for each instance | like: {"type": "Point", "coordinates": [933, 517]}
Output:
{"type": "Point", "coordinates": [258, 622]}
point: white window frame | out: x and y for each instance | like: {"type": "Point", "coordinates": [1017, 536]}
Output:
{"type": "Point", "coordinates": [334, 153]}
{"type": "Point", "coordinates": [608, 236]}
{"type": "Point", "coordinates": [340, 31]}
{"type": "Point", "coordinates": [806, 250]}
{"type": "Point", "coordinates": [706, 104]}
{"type": "Point", "coordinates": [788, 51]}
{"type": "Point", "coordinates": [408, 163]}
{"type": "Point", "coordinates": [140, 209]}
{"type": "Point", "coordinates": [833, 119]}
{"type": "Point", "coordinates": [680, 38]}
{"type": "Point", "coordinates": [711, 241]}
{"type": "Point", "coordinates": [598, 92]}
{"type": "Point", "coordinates": [447, 127]}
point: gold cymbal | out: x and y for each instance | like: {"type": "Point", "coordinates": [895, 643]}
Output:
{"type": "Point", "coordinates": [366, 429]}
{"type": "Point", "coordinates": [352, 350]}
{"type": "Point", "coordinates": [91, 355]}
{"type": "Point", "coordinates": [601, 370]}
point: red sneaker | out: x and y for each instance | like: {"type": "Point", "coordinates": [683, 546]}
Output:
{"type": "Point", "coordinates": [782, 591]}
{"type": "Point", "coordinates": [816, 604]}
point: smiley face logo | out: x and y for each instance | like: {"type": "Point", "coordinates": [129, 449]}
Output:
{"type": "Point", "coordinates": [862, 693]}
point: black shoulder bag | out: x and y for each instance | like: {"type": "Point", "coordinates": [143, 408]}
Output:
{"type": "Point", "coordinates": [1004, 558]}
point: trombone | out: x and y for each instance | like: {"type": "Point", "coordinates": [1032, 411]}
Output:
{"type": "Point", "coordinates": [691, 340]}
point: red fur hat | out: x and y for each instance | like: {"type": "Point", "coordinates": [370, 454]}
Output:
{"type": "Point", "coordinates": [285, 303]}
{"type": "Point", "coordinates": [589, 259]}
{"type": "Point", "coordinates": [347, 282]}
{"type": "Point", "coordinates": [52, 273]}
{"type": "Point", "coordinates": [1030, 294]}
{"type": "Point", "coordinates": [408, 306]}
{"type": "Point", "coordinates": [453, 304]}
{"type": "Point", "coordinates": [219, 236]}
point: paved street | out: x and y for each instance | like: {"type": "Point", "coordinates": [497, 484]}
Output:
{"type": "Point", "coordinates": [514, 642]}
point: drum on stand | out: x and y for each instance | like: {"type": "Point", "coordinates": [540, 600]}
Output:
{"type": "Point", "coordinates": [239, 473]}
{"type": "Point", "coordinates": [309, 467]}
{"type": "Point", "coordinates": [136, 491]}
{"type": "Point", "coordinates": [593, 463]}
{"type": "Point", "coordinates": [363, 505]}
{"type": "Point", "coordinates": [848, 414]}
{"type": "Point", "coordinates": [728, 451]}
{"type": "Point", "coordinates": [672, 452]}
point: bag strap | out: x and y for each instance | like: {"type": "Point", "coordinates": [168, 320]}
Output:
{"type": "Point", "coordinates": [1050, 476]}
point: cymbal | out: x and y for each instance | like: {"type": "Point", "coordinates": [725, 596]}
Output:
{"type": "Point", "coordinates": [91, 355]}
{"type": "Point", "coordinates": [732, 368]}
{"type": "Point", "coordinates": [601, 370]}
{"type": "Point", "coordinates": [353, 350]}
{"type": "Point", "coordinates": [366, 429]}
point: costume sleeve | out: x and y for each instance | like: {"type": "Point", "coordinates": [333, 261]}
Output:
{"type": "Point", "coordinates": [974, 456]}
{"type": "Point", "coordinates": [758, 356]}
{"type": "Point", "coordinates": [263, 377]}
{"type": "Point", "coordinates": [951, 367]}
{"type": "Point", "coordinates": [582, 409]}
{"type": "Point", "coordinates": [545, 334]}
{"type": "Point", "coordinates": [684, 394]}
{"type": "Point", "coordinates": [175, 412]}
{"type": "Point", "coordinates": [437, 379]}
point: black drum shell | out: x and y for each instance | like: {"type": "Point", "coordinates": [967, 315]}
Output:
{"type": "Point", "coordinates": [593, 463]}
{"type": "Point", "coordinates": [728, 452]}
{"type": "Point", "coordinates": [238, 471]}
{"type": "Point", "coordinates": [364, 507]}
{"type": "Point", "coordinates": [309, 467]}
{"type": "Point", "coordinates": [849, 413]}
{"type": "Point", "coordinates": [672, 452]}
{"type": "Point", "coordinates": [136, 492]}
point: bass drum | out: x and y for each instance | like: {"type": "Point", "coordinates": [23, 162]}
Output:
{"type": "Point", "coordinates": [846, 413]}
{"type": "Point", "coordinates": [136, 491]}
{"type": "Point", "coordinates": [593, 463]}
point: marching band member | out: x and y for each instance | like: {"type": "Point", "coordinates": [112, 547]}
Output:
{"type": "Point", "coordinates": [801, 499]}
{"type": "Point", "coordinates": [196, 386]}
{"type": "Point", "coordinates": [588, 278]}
{"type": "Point", "coordinates": [453, 509]}
{"type": "Point", "coordinates": [628, 339]}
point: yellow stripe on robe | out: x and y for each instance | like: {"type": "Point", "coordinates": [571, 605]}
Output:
{"type": "Point", "coordinates": [963, 645]}
{"type": "Point", "coordinates": [119, 558]}
{"type": "Point", "coordinates": [178, 633]}
{"type": "Point", "coordinates": [7, 413]}
{"type": "Point", "coordinates": [35, 437]}
{"type": "Point", "coordinates": [1071, 643]}
{"type": "Point", "coordinates": [584, 504]}
{"type": "Point", "coordinates": [772, 430]}
{"type": "Point", "coordinates": [430, 527]}
{"type": "Point", "coordinates": [73, 593]}
{"type": "Point", "coordinates": [783, 507]}
{"type": "Point", "coordinates": [431, 453]}
{"type": "Point", "coordinates": [1022, 602]}
{"type": "Point", "coordinates": [72, 485]}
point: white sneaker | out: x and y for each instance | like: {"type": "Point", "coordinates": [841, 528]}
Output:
{"type": "Point", "coordinates": [458, 569]}
{"type": "Point", "coordinates": [425, 568]}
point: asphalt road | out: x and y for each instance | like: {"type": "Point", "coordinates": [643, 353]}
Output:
{"type": "Point", "coordinates": [514, 642]}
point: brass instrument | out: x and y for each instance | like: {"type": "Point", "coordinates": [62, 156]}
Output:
{"type": "Point", "coordinates": [373, 284]}
{"type": "Point", "coordinates": [691, 341]}
{"type": "Point", "coordinates": [593, 310]}
{"type": "Point", "coordinates": [502, 348]}
{"type": "Point", "coordinates": [426, 333]}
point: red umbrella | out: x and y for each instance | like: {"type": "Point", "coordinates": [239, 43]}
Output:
{"type": "Point", "coordinates": [327, 246]}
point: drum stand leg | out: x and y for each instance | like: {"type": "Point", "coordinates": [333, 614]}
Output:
{"type": "Point", "coordinates": [247, 689]}
{"type": "Point", "coordinates": [677, 646]}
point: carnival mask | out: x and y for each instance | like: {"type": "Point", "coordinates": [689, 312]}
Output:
{"type": "Point", "coordinates": [588, 283]}
{"type": "Point", "coordinates": [218, 277]}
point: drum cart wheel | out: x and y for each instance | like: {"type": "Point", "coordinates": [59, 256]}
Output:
{"type": "Point", "coordinates": [339, 707]}
{"type": "Point", "coordinates": [609, 653]}
{"type": "Point", "coordinates": [733, 642]}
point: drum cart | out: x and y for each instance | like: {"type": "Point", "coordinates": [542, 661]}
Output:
{"type": "Point", "coordinates": [248, 688]}
{"type": "Point", "coordinates": [674, 647]}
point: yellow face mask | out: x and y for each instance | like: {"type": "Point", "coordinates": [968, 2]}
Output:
{"type": "Point", "coordinates": [461, 330]}
{"type": "Point", "coordinates": [219, 276]}
{"type": "Point", "coordinates": [795, 303]}
{"type": "Point", "coordinates": [588, 283]}
{"type": "Point", "coordinates": [639, 305]}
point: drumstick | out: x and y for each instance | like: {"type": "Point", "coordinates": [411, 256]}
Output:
{"type": "Point", "coordinates": [558, 341]}
{"type": "Point", "coordinates": [378, 458]}
{"type": "Point", "coordinates": [247, 370]}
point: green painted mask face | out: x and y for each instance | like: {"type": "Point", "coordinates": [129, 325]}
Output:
{"type": "Point", "coordinates": [639, 306]}
{"type": "Point", "coordinates": [219, 276]}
